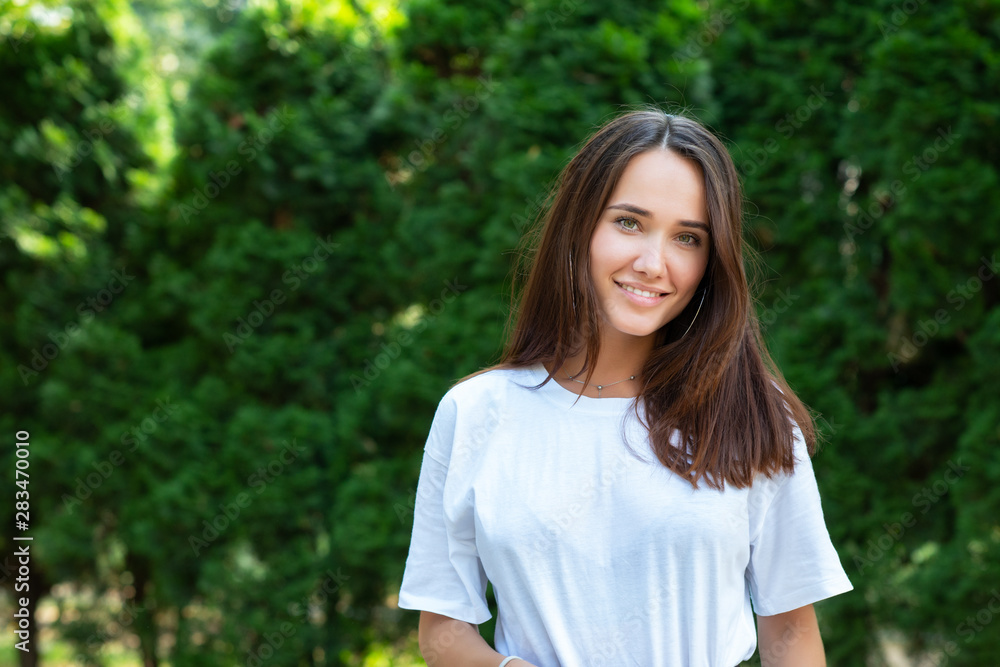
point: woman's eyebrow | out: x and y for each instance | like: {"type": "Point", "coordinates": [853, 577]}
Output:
{"type": "Point", "coordinates": [697, 225]}
{"type": "Point", "coordinates": [632, 208]}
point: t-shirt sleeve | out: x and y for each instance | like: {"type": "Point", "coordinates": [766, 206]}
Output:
{"type": "Point", "coordinates": [443, 572]}
{"type": "Point", "coordinates": [793, 563]}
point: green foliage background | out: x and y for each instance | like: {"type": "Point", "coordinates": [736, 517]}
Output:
{"type": "Point", "coordinates": [248, 245]}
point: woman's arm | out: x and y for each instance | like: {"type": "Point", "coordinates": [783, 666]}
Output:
{"type": "Point", "coordinates": [790, 639]}
{"type": "Point", "coordinates": [446, 642]}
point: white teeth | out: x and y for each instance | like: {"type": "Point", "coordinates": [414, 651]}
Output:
{"type": "Point", "coordinates": [629, 288]}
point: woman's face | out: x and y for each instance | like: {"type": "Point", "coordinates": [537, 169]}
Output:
{"type": "Point", "coordinates": [651, 245]}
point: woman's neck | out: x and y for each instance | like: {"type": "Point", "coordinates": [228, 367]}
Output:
{"type": "Point", "coordinates": [618, 360]}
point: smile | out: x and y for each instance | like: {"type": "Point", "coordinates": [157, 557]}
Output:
{"type": "Point", "coordinates": [639, 292]}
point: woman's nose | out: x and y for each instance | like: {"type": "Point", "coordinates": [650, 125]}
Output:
{"type": "Point", "coordinates": [650, 260]}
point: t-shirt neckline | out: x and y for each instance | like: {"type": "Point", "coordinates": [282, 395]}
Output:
{"type": "Point", "coordinates": [565, 398]}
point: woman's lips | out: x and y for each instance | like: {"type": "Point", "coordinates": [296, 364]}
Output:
{"type": "Point", "coordinates": [630, 291]}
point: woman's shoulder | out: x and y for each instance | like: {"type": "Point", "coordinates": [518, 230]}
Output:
{"type": "Point", "coordinates": [475, 407]}
{"type": "Point", "coordinates": [491, 384]}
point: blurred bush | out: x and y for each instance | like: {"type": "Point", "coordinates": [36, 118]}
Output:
{"type": "Point", "coordinates": [249, 245]}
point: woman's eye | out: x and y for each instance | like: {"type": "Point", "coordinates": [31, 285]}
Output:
{"type": "Point", "coordinates": [689, 239]}
{"type": "Point", "coordinates": [629, 224]}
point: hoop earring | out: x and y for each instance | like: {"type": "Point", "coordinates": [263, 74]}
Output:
{"type": "Point", "coordinates": [572, 287]}
{"type": "Point", "coordinates": [695, 313]}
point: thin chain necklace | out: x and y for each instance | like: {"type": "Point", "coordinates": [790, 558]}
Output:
{"type": "Point", "coordinates": [600, 386]}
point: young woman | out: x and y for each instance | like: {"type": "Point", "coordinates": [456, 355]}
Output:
{"type": "Point", "coordinates": [634, 476]}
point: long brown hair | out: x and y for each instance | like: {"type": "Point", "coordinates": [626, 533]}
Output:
{"type": "Point", "coordinates": [715, 386]}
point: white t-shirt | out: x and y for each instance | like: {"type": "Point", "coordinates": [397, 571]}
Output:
{"type": "Point", "coordinates": [597, 557]}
